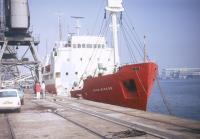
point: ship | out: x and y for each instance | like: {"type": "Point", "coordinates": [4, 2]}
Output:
{"type": "Point", "coordinates": [129, 85]}
{"type": "Point", "coordinates": [75, 59]}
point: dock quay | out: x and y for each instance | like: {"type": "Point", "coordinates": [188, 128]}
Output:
{"type": "Point", "coordinates": [60, 117]}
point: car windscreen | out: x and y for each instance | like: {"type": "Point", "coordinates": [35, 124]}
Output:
{"type": "Point", "coordinates": [8, 94]}
{"type": "Point", "coordinates": [21, 93]}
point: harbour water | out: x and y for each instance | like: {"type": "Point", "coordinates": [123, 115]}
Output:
{"type": "Point", "coordinates": [182, 97]}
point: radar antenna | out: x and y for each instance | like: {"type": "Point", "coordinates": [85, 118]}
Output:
{"type": "Point", "coordinates": [78, 26]}
{"type": "Point", "coordinates": [59, 14]}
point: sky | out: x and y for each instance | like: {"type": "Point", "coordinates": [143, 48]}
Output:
{"type": "Point", "coordinates": [172, 27]}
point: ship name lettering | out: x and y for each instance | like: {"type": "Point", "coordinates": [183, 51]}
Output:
{"type": "Point", "coordinates": [102, 89]}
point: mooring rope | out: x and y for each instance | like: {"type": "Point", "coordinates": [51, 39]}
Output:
{"type": "Point", "coordinates": [163, 97]}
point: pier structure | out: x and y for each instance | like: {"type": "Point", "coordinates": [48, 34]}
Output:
{"type": "Point", "coordinates": [180, 73]}
{"type": "Point", "coordinates": [63, 117]}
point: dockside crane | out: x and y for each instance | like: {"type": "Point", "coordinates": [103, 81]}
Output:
{"type": "Point", "coordinates": [15, 34]}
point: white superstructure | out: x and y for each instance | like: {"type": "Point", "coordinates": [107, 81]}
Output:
{"type": "Point", "coordinates": [74, 60]}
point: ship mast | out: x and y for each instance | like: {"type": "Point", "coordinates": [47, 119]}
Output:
{"type": "Point", "coordinates": [145, 51]}
{"type": "Point", "coordinates": [59, 14]}
{"type": "Point", "coordinates": [114, 7]}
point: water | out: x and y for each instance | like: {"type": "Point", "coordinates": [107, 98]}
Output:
{"type": "Point", "coordinates": [183, 98]}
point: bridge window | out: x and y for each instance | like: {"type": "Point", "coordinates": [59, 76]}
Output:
{"type": "Point", "coordinates": [67, 45]}
{"type": "Point", "coordinates": [74, 45]}
{"type": "Point", "coordinates": [89, 45]}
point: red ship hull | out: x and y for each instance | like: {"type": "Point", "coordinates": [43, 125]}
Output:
{"type": "Point", "coordinates": [129, 87]}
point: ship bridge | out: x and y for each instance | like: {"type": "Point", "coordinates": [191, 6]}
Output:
{"type": "Point", "coordinates": [82, 42]}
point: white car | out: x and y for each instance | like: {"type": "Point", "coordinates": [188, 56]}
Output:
{"type": "Point", "coordinates": [10, 99]}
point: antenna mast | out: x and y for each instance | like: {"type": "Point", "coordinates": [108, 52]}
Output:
{"type": "Point", "coordinates": [60, 28]}
{"type": "Point", "coordinates": [115, 7]}
{"type": "Point", "coordinates": [78, 26]}
{"type": "Point", "coordinates": [59, 14]}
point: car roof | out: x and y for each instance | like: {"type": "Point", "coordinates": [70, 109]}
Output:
{"type": "Point", "coordinates": [8, 89]}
